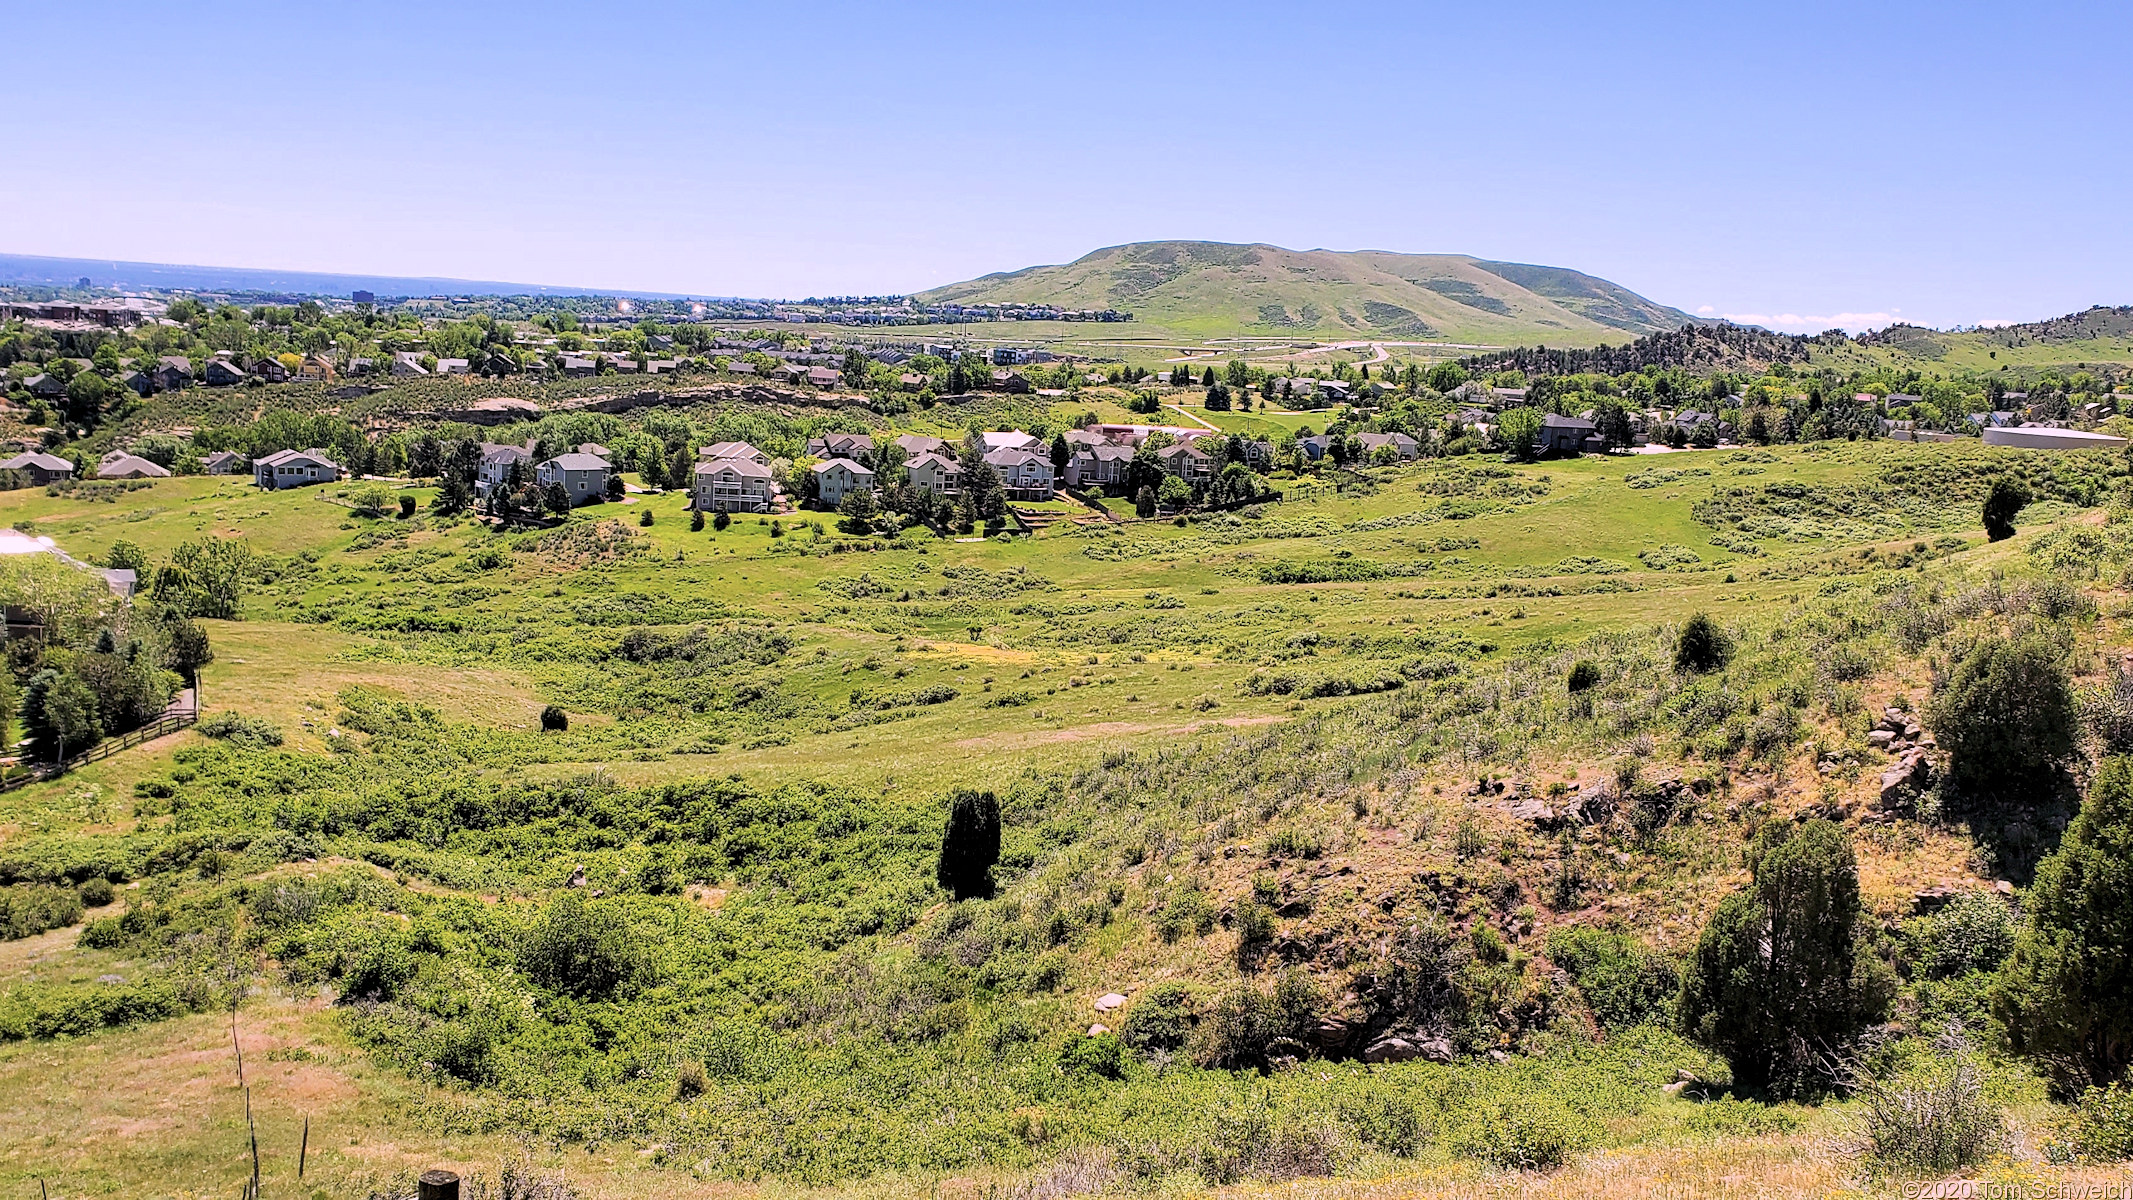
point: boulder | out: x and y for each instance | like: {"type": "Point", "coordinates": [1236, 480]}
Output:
{"type": "Point", "coordinates": [1880, 739]}
{"type": "Point", "coordinates": [1533, 811]}
{"type": "Point", "coordinates": [1391, 1049]}
{"type": "Point", "coordinates": [1110, 1001]}
{"type": "Point", "coordinates": [1436, 1050]}
{"type": "Point", "coordinates": [1099, 1030]}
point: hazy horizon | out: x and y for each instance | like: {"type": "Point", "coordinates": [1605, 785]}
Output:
{"type": "Point", "coordinates": [1944, 165]}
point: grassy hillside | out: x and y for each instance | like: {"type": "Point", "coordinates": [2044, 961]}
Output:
{"type": "Point", "coordinates": [1261, 773]}
{"type": "Point", "coordinates": [1212, 289]}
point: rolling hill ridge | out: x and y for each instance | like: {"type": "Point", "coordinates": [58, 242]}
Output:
{"type": "Point", "coordinates": [1211, 288]}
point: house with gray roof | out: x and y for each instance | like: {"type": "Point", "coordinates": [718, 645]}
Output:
{"type": "Point", "coordinates": [840, 477]}
{"type": "Point", "coordinates": [120, 465]}
{"type": "Point", "coordinates": [934, 473]}
{"type": "Point", "coordinates": [40, 467]}
{"type": "Point", "coordinates": [732, 485]}
{"type": "Point", "coordinates": [294, 468]}
{"type": "Point", "coordinates": [582, 476]}
{"type": "Point", "coordinates": [1026, 474]}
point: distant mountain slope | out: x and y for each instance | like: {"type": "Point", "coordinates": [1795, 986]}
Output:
{"type": "Point", "coordinates": [1217, 287]}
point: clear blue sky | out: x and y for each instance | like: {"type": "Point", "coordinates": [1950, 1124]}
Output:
{"type": "Point", "coordinates": [1943, 162]}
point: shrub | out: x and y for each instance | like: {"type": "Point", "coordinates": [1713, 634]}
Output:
{"type": "Point", "coordinates": [696, 521]}
{"type": "Point", "coordinates": [1624, 983]}
{"type": "Point", "coordinates": [252, 732]}
{"type": "Point", "coordinates": [2103, 1124]}
{"type": "Point", "coordinates": [407, 507]}
{"type": "Point", "coordinates": [583, 948]}
{"type": "Point", "coordinates": [29, 909]}
{"type": "Point", "coordinates": [2007, 498]}
{"type": "Point", "coordinates": [1701, 646]}
{"type": "Point", "coordinates": [96, 892]}
{"type": "Point", "coordinates": [1974, 932]}
{"type": "Point", "coordinates": [1186, 912]}
{"type": "Point", "coordinates": [554, 719]}
{"type": "Point", "coordinates": [1162, 1019]}
{"type": "Point", "coordinates": [645, 517]}
{"type": "Point", "coordinates": [1782, 971]}
{"type": "Point", "coordinates": [2063, 991]}
{"type": "Point", "coordinates": [1931, 1121]}
{"type": "Point", "coordinates": [2006, 719]}
{"type": "Point", "coordinates": [1528, 1132]}
{"type": "Point", "coordinates": [1584, 676]}
{"type": "Point", "coordinates": [690, 1080]}
{"type": "Point", "coordinates": [721, 520]}
{"type": "Point", "coordinates": [970, 845]}
{"type": "Point", "coordinates": [1103, 1056]}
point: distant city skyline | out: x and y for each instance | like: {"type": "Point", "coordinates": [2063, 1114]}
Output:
{"type": "Point", "coordinates": [1800, 166]}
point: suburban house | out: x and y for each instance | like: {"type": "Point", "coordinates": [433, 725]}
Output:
{"type": "Point", "coordinates": [140, 383]}
{"type": "Point", "coordinates": [269, 368]}
{"type": "Point", "coordinates": [45, 386]}
{"type": "Point", "coordinates": [316, 366]}
{"type": "Point", "coordinates": [1007, 439]}
{"type": "Point", "coordinates": [911, 381]}
{"type": "Point", "coordinates": [407, 363]}
{"type": "Point", "coordinates": [790, 373]}
{"type": "Point", "coordinates": [41, 468]}
{"type": "Point", "coordinates": [824, 377]}
{"type": "Point", "coordinates": [1408, 448]}
{"type": "Point", "coordinates": [172, 372]}
{"type": "Point", "coordinates": [1315, 447]}
{"type": "Point", "coordinates": [583, 476]}
{"type": "Point", "coordinates": [496, 463]}
{"type": "Point", "coordinates": [1026, 474]}
{"type": "Point", "coordinates": [295, 468]}
{"type": "Point", "coordinates": [915, 444]}
{"type": "Point", "coordinates": [732, 485]}
{"type": "Point", "coordinates": [1083, 439]}
{"type": "Point", "coordinates": [1563, 435]}
{"type": "Point", "coordinates": [221, 372]}
{"type": "Point", "coordinates": [737, 367]}
{"type": "Point", "coordinates": [452, 366]}
{"type": "Point", "coordinates": [840, 445]}
{"type": "Point", "coordinates": [1187, 461]}
{"type": "Point", "coordinates": [1330, 390]}
{"type": "Point", "coordinates": [935, 473]}
{"type": "Point", "coordinates": [1104, 466]}
{"type": "Point", "coordinates": [1010, 381]}
{"type": "Point", "coordinates": [597, 451]}
{"type": "Point", "coordinates": [120, 465]}
{"type": "Point", "coordinates": [223, 462]}
{"type": "Point", "coordinates": [577, 364]}
{"type": "Point", "coordinates": [719, 450]}
{"type": "Point", "coordinates": [840, 477]}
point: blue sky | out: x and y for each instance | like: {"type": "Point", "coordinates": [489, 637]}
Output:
{"type": "Point", "coordinates": [1800, 165]}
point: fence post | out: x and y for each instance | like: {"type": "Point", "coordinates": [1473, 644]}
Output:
{"type": "Point", "coordinates": [437, 1184]}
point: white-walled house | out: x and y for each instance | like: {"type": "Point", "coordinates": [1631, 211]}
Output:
{"type": "Point", "coordinates": [732, 485]}
{"type": "Point", "coordinates": [935, 474]}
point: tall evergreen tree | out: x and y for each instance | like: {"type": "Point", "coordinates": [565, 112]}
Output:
{"type": "Point", "coordinates": [970, 845]}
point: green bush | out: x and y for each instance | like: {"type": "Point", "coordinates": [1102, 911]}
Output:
{"type": "Point", "coordinates": [2103, 1124]}
{"type": "Point", "coordinates": [1162, 1019]}
{"type": "Point", "coordinates": [29, 909]}
{"type": "Point", "coordinates": [1783, 972]}
{"type": "Point", "coordinates": [1584, 675]}
{"type": "Point", "coordinates": [1974, 932]}
{"type": "Point", "coordinates": [1525, 1132]}
{"type": "Point", "coordinates": [2063, 992]}
{"type": "Point", "coordinates": [1624, 983]}
{"type": "Point", "coordinates": [1102, 1056]}
{"type": "Point", "coordinates": [96, 891]}
{"type": "Point", "coordinates": [254, 732]}
{"type": "Point", "coordinates": [583, 948]}
{"type": "Point", "coordinates": [1701, 646]}
{"type": "Point", "coordinates": [2006, 717]}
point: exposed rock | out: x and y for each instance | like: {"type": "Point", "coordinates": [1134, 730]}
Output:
{"type": "Point", "coordinates": [1932, 899]}
{"type": "Point", "coordinates": [1109, 1001]}
{"type": "Point", "coordinates": [1099, 1030]}
{"type": "Point", "coordinates": [577, 876]}
{"type": "Point", "coordinates": [1498, 1056]}
{"type": "Point", "coordinates": [1533, 811]}
{"type": "Point", "coordinates": [1391, 1049]}
{"type": "Point", "coordinates": [1880, 739]}
{"type": "Point", "coordinates": [2003, 887]}
{"type": "Point", "coordinates": [1436, 1050]}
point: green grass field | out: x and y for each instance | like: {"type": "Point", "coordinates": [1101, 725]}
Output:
{"type": "Point", "coordinates": [761, 733]}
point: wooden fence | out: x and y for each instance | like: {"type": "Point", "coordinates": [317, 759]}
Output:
{"type": "Point", "coordinates": [170, 722]}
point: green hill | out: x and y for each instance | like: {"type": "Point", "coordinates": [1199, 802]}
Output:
{"type": "Point", "coordinates": [1210, 288]}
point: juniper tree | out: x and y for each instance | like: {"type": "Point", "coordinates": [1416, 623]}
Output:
{"type": "Point", "coordinates": [2063, 992]}
{"type": "Point", "coordinates": [1782, 975]}
{"type": "Point", "coordinates": [970, 845]}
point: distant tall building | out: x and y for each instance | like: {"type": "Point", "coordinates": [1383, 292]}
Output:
{"type": "Point", "coordinates": [82, 282]}
{"type": "Point", "coordinates": [364, 297]}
